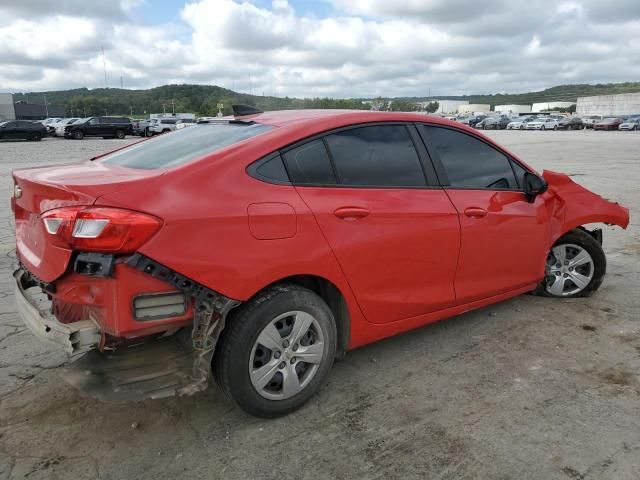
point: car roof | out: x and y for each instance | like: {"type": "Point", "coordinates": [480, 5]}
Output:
{"type": "Point", "coordinates": [282, 118]}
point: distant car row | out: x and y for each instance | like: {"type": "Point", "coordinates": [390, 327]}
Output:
{"type": "Point", "coordinates": [551, 122]}
{"type": "Point", "coordinates": [100, 126]}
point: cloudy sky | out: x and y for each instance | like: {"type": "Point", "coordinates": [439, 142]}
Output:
{"type": "Point", "coordinates": [340, 48]}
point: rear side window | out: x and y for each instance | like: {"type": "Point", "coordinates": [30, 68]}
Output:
{"type": "Point", "coordinates": [469, 162]}
{"type": "Point", "coordinates": [310, 164]}
{"type": "Point", "coordinates": [381, 155]}
{"type": "Point", "coordinates": [183, 146]}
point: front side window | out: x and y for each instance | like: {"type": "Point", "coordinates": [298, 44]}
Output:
{"type": "Point", "coordinates": [380, 155]}
{"type": "Point", "coordinates": [183, 146]}
{"type": "Point", "coordinates": [469, 162]}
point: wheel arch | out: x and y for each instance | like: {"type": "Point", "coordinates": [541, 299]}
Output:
{"type": "Point", "coordinates": [334, 298]}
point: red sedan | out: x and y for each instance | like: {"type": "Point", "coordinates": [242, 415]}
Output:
{"type": "Point", "coordinates": [263, 246]}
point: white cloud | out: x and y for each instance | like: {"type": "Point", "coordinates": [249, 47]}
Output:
{"type": "Point", "coordinates": [365, 47]}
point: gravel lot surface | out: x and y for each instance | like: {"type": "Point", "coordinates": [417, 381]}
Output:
{"type": "Point", "coordinates": [531, 388]}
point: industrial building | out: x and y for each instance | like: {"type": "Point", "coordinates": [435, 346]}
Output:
{"type": "Point", "coordinates": [548, 106]}
{"type": "Point", "coordinates": [609, 105]}
{"type": "Point", "coordinates": [450, 106]}
{"type": "Point", "coordinates": [6, 107]}
{"type": "Point", "coordinates": [513, 108]}
{"type": "Point", "coordinates": [474, 107]}
{"type": "Point", "coordinates": [27, 111]}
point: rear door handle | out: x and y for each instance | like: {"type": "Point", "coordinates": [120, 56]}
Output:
{"type": "Point", "coordinates": [475, 212]}
{"type": "Point", "coordinates": [351, 213]}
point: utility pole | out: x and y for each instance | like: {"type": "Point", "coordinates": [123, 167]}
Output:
{"type": "Point", "coordinates": [131, 109]}
{"type": "Point", "coordinates": [164, 109]}
{"type": "Point", "coordinates": [120, 81]}
{"type": "Point", "coordinates": [104, 66]}
{"type": "Point", "coordinates": [173, 106]}
{"type": "Point", "coordinates": [105, 112]}
{"type": "Point", "coordinates": [46, 107]}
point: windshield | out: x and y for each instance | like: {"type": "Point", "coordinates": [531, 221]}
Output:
{"type": "Point", "coordinates": [183, 146]}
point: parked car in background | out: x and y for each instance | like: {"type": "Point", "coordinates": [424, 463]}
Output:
{"type": "Point", "coordinates": [519, 123]}
{"type": "Point", "coordinates": [56, 129]}
{"type": "Point", "coordinates": [570, 123]}
{"type": "Point", "coordinates": [162, 125]}
{"type": "Point", "coordinates": [47, 121]}
{"type": "Point", "coordinates": [590, 120]}
{"type": "Point", "coordinates": [542, 124]}
{"type": "Point", "coordinates": [236, 239]}
{"type": "Point", "coordinates": [473, 121]}
{"type": "Point", "coordinates": [494, 123]}
{"type": "Point", "coordinates": [185, 122]}
{"type": "Point", "coordinates": [608, 123]}
{"type": "Point", "coordinates": [630, 124]}
{"type": "Point", "coordinates": [22, 130]}
{"type": "Point", "coordinates": [140, 127]}
{"type": "Point", "coordinates": [105, 127]}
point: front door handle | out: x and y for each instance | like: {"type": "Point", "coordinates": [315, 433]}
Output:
{"type": "Point", "coordinates": [475, 212]}
{"type": "Point", "coordinates": [351, 213]}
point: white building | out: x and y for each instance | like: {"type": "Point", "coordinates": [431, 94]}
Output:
{"type": "Point", "coordinates": [450, 106]}
{"type": "Point", "coordinates": [7, 110]}
{"type": "Point", "coordinates": [622, 104]}
{"type": "Point", "coordinates": [513, 108]}
{"type": "Point", "coordinates": [474, 107]}
{"type": "Point", "coordinates": [547, 106]}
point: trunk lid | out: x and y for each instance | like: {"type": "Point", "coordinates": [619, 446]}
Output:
{"type": "Point", "coordinates": [38, 190]}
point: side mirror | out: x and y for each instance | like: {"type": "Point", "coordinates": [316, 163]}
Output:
{"type": "Point", "coordinates": [533, 185]}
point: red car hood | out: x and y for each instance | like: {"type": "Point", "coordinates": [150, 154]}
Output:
{"type": "Point", "coordinates": [38, 190]}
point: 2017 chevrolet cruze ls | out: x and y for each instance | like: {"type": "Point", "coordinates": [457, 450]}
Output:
{"type": "Point", "coordinates": [263, 246]}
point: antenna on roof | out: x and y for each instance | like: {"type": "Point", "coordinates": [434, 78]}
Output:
{"type": "Point", "coordinates": [242, 110]}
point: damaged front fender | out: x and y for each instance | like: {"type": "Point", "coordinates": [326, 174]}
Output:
{"type": "Point", "coordinates": [571, 205]}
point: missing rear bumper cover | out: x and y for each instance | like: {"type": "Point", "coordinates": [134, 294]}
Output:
{"type": "Point", "coordinates": [210, 312]}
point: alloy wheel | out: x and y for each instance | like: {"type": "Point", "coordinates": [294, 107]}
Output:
{"type": "Point", "coordinates": [569, 270]}
{"type": "Point", "coordinates": [286, 355]}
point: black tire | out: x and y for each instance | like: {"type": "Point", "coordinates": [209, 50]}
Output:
{"type": "Point", "coordinates": [119, 134]}
{"type": "Point", "coordinates": [582, 239]}
{"type": "Point", "coordinates": [555, 127]}
{"type": "Point", "coordinates": [35, 137]}
{"type": "Point", "coordinates": [542, 127]}
{"type": "Point", "coordinates": [77, 135]}
{"type": "Point", "coordinates": [233, 353]}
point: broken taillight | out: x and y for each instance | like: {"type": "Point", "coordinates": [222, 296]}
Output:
{"type": "Point", "coordinates": [99, 229]}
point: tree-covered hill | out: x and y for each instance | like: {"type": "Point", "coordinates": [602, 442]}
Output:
{"type": "Point", "coordinates": [200, 99]}
{"type": "Point", "coordinates": [203, 99]}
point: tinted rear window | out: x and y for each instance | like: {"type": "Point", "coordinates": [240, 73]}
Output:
{"type": "Point", "coordinates": [183, 146]}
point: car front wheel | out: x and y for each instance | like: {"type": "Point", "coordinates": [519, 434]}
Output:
{"type": "Point", "coordinates": [78, 135]}
{"type": "Point", "coordinates": [575, 266]}
{"type": "Point", "coordinates": [276, 351]}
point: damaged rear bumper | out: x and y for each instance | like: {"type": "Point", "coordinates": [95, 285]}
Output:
{"type": "Point", "coordinates": [73, 338]}
{"type": "Point", "coordinates": [147, 367]}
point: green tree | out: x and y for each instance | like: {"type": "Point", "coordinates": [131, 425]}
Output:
{"type": "Point", "coordinates": [432, 107]}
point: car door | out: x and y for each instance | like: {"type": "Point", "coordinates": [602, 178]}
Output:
{"type": "Point", "coordinates": [504, 237]}
{"type": "Point", "coordinates": [394, 232]}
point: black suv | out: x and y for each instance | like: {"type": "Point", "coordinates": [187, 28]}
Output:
{"type": "Point", "coordinates": [105, 127]}
{"type": "Point", "coordinates": [22, 129]}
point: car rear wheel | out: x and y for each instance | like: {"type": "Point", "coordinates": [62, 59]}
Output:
{"type": "Point", "coordinates": [575, 266]}
{"type": "Point", "coordinates": [276, 351]}
{"type": "Point", "coordinates": [542, 127]}
{"type": "Point", "coordinates": [119, 134]}
{"type": "Point", "coordinates": [35, 137]}
{"type": "Point", "coordinates": [78, 135]}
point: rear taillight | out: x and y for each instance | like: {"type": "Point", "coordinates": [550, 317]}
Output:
{"type": "Point", "coordinates": [99, 229]}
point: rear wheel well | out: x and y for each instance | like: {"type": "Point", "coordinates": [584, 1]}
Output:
{"type": "Point", "coordinates": [334, 299]}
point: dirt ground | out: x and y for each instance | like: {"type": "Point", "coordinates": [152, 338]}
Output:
{"type": "Point", "coordinates": [532, 388]}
